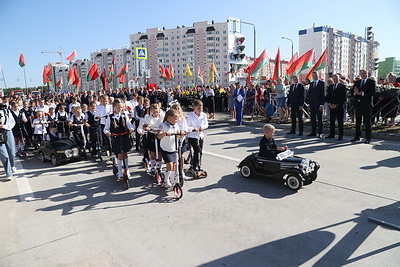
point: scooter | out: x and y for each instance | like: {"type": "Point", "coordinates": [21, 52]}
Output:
{"type": "Point", "coordinates": [197, 174]}
{"type": "Point", "coordinates": [125, 177]}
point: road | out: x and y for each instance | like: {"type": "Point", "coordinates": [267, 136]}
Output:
{"type": "Point", "coordinates": [76, 215]}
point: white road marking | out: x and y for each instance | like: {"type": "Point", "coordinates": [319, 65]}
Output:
{"type": "Point", "coordinates": [222, 156]}
{"type": "Point", "coordinates": [24, 187]}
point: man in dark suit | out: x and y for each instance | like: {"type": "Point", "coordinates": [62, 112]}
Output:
{"type": "Point", "coordinates": [316, 99]}
{"type": "Point", "coordinates": [336, 99]}
{"type": "Point", "coordinates": [364, 91]}
{"type": "Point", "coordinates": [296, 102]}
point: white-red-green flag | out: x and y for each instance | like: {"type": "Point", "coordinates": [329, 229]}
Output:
{"type": "Point", "coordinates": [321, 64]}
{"type": "Point", "coordinates": [123, 71]}
{"type": "Point", "coordinates": [21, 60]}
{"type": "Point", "coordinates": [277, 69]}
{"type": "Point", "coordinates": [72, 57]}
{"type": "Point", "coordinates": [110, 76]}
{"type": "Point", "coordinates": [303, 62]}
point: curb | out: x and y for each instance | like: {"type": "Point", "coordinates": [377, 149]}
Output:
{"type": "Point", "coordinates": [348, 133]}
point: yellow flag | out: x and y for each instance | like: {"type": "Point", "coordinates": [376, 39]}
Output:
{"type": "Point", "coordinates": [212, 76]}
{"type": "Point", "coordinates": [188, 72]}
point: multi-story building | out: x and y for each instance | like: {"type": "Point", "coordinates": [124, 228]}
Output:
{"type": "Point", "coordinates": [197, 46]}
{"type": "Point", "coordinates": [105, 58]}
{"type": "Point", "coordinates": [347, 53]}
{"type": "Point", "coordinates": [389, 65]}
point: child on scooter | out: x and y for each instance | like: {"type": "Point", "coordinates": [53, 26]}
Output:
{"type": "Point", "coordinates": [184, 130]}
{"type": "Point", "coordinates": [39, 125]}
{"type": "Point", "coordinates": [197, 122]}
{"type": "Point", "coordinates": [268, 148]}
{"type": "Point", "coordinates": [152, 122]}
{"type": "Point", "coordinates": [167, 143]}
{"type": "Point", "coordinates": [118, 126]}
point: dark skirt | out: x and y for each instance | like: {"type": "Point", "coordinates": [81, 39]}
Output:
{"type": "Point", "coordinates": [16, 130]}
{"type": "Point", "coordinates": [211, 104]}
{"type": "Point", "coordinates": [62, 127]}
{"type": "Point", "coordinates": [168, 156]}
{"type": "Point", "coordinates": [120, 144]}
{"type": "Point", "coordinates": [151, 145]}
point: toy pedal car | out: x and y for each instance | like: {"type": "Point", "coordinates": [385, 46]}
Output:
{"type": "Point", "coordinates": [295, 171]}
{"type": "Point", "coordinates": [58, 151]}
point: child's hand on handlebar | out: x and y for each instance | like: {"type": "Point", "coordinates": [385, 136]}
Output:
{"type": "Point", "coordinates": [108, 134]}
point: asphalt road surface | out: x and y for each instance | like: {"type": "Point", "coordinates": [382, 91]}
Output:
{"type": "Point", "coordinates": [77, 215]}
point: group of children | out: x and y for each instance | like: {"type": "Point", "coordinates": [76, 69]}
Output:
{"type": "Point", "coordinates": [112, 124]}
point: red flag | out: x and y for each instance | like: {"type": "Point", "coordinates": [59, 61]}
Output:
{"type": "Point", "coordinates": [293, 59]}
{"type": "Point", "coordinates": [303, 62]}
{"type": "Point", "coordinates": [277, 70]}
{"type": "Point", "coordinates": [71, 57]}
{"type": "Point", "coordinates": [21, 60]}
{"type": "Point", "coordinates": [77, 81]}
{"type": "Point", "coordinates": [321, 63]}
{"type": "Point", "coordinates": [123, 71]}
{"type": "Point", "coordinates": [167, 74]}
{"type": "Point", "coordinates": [200, 75]}
{"type": "Point", "coordinates": [163, 74]}
{"type": "Point", "coordinates": [59, 82]}
{"type": "Point", "coordinates": [122, 78]}
{"type": "Point", "coordinates": [171, 71]}
{"type": "Point", "coordinates": [71, 76]}
{"type": "Point", "coordinates": [93, 73]}
{"type": "Point", "coordinates": [46, 73]}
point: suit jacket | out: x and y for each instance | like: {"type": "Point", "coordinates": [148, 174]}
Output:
{"type": "Point", "coordinates": [316, 94]}
{"type": "Point", "coordinates": [237, 92]}
{"type": "Point", "coordinates": [336, 96]}
{"type": "Point", "coordinates": [369, 89]}
{"type": "Point", "coordinates": [296, 96]}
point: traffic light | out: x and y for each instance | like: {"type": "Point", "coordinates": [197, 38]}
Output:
{"type": "Point", "coordinates": [239, 47]}
{"type": "Point", "coordinates": [376, 63]}
{"type": "Point", "coordinates": [370, 34]}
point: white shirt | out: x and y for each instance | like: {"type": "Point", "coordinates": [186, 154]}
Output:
{"type": "Point", "coordinates": [103, 111]}
{"type": "Point", "coordinates": [8, 123]}
{"type": "Point", "coordinates": [167, 143]}
{"type": "Point", "coordinates": [117, 117]}
{"type": "Point", "coordinates": [39, 126]}
{"type": "Point", "coordinates": [153, 123]}
{"type": "Point", "coordinates": [194, 121]}
{"type": "Point", "coordinates": [44, 109]}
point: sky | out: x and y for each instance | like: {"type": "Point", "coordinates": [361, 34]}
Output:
{"type": "Point", "coordinates": [86, 26]}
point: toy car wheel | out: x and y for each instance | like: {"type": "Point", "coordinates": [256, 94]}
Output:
{"type": "Point", "coordinates": [246, 171]}
{"type": "Point", "coordinates": [41, 157]}
{"type": "Point", "coordinates": [294, 181]}
{"type": "Point", "coordinates": [54, 160]}
{"type": "Point", "coordinates": [178, 191]}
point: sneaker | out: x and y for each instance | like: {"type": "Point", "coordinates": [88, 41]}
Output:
{"type": "Point", "coordinates": [13, 169]}
{"type": "Point", "coordinates": [9, 178]}
{"type": "Point", "coordinates": [152, 171]}
{"type": "Point", "coordinates": [185, 178]}
{"type": "Point", "coordinates": [120, 178]}
{"type": "Point", "coordinates": [167, 183]}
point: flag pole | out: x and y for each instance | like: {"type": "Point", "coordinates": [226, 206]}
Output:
{"type": "Point", "coordinates": [4, 79]}
{"type": "Point", "coordinates": [26, 87]}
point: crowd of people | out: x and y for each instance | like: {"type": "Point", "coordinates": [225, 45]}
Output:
{"type": "Point", "coordinates": [26, 120]}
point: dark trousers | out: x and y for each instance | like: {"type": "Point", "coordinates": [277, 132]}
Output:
{"type": "Point", "coordinates": [363, 114]}
{"type": "Point", "coordinates": [316, 117]}
{"type": "Point", "coordinates": [197, 145]}
{"type": "Point", "coordinates": [138, 137]}
{"type": "Point", "coordinates": [336, 114]}
{"type": "Point", "coordinates": [239, 113]}
{"type": "Point", "coordinates": [93, 133]}
{"type": "Point", "coordinates": [295, 115]}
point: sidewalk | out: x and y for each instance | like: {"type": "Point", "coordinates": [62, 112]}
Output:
{"type": "Point", "coordinates": [225, 117]}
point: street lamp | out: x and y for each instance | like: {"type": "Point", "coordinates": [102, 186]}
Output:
{"type": "Point", "coordinates": [254, 27]}
{"type": "Point", "coordinates": [290, 41]}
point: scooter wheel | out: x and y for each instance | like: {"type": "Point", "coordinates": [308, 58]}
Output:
{"type": "Point", "coordinates": [178, 191]}
{"type": "Point", "coordinates": [159, 178]}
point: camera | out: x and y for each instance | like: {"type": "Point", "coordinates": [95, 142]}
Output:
{"type": "Point", "coordinates": [3, 106]}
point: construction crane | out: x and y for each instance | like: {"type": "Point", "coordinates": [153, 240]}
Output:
{"type": "Point", "coordinates": [58, 52]}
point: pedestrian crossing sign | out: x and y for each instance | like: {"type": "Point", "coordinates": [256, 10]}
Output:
{"type": "Point", "coordinates": [141, 52]}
